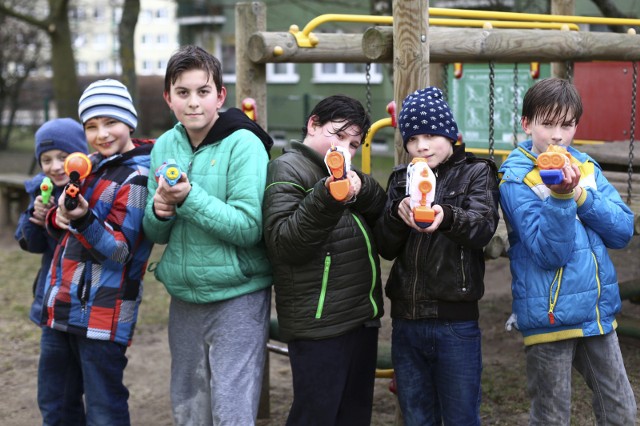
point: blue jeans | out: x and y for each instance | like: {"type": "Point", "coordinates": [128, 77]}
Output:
{"type": "Point", "coordinates": [438, 366]}
{"type": "Point", "coordinates": [70, 365]}
{"type": "Point", "coordinates": [599, 361]}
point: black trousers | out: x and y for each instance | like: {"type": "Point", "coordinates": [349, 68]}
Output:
{"type": "Point", "coordinates": [333, 379]}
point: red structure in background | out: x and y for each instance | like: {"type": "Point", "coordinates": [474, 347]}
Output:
{"type": "Point", "coordinates": [605, 88]}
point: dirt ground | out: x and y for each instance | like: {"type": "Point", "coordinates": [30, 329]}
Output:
{"type": "Point", "coordinates": [147, 374]}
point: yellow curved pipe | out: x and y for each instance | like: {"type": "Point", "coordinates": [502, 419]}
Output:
{"type": "Point", "coordinates": [366, 146]}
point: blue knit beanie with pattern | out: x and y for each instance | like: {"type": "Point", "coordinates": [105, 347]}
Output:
{"type": "Point", "coordinates": [425, 112]}
{"type": "Point", "coordinates": [107, 98]}
{"type": "Point", "coordinates": [65, 134]}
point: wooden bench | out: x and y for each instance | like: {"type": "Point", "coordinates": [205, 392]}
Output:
{"type": "Point", "coordinates": [13, 198]}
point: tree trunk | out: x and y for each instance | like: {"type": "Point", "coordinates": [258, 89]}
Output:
{"type": "Point", "coordinates": [63, 64]}
{"type": "Point", "coordinates": [126, 30]}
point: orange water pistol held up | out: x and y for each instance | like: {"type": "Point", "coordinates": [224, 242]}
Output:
{"type": "Point", "coordinates": [338, 163]}
{"type": "Point", "coordinates": [551, 163]}
{"type": "Point", "coordinates": [77, 166]}
{"type": "Point", "coordinates": [421, 188]}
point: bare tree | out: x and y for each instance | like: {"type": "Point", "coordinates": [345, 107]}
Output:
{"type": "Point", "coordinates": [126, 29]}
{"type": "Point", "coordinates": [56, 26]}
{"type": "Point", "coordinates": [19, 56]}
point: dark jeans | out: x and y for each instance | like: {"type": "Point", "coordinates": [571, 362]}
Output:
{"type": "Point", "coordinates": [333, 379]}
{"type": "Point", "coordinates": [70, 364]}
{"type": "Point", "coordinates": [438, 365]}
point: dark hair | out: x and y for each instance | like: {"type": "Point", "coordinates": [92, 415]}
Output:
{"type": "Point", "coordinates": [341, 109]}
{"type": "Point", "coordinates": [552, 99]}
{"type": "Point", "coordinates": [192, 58]}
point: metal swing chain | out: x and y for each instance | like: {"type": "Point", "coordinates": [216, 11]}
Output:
{"type": "Point", "coordinates": [368, 77]}
{"type": "Point", "coordinates": [634, 92]}
{"type": "Point", "coordinates": [569, 69]}
{"type": "Point", "coordinates": [492, 75]}
{"type": "Point", "coordinates": [515, 105]}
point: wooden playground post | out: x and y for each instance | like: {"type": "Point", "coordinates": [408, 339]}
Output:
{"type": "Point", "coordinates": [410, 55]}
{"type": "Point", "coordinates": [251, 77]}
{"type": "Point", "coordinates": [561, 7]}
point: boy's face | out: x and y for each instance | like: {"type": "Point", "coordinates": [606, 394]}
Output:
{"type": "Point", "coordinates": [548, 132]}
{"type": "Point", "coordinates": [108, 136]}
{"type": "Point", "coordinates": [435, 148]}
{"type": "Point", "coordinates": [52, 162]}
{"type": "Point", "coordinates": [195, 101]}
{"type": "Point", "coordinates": [320, 138]}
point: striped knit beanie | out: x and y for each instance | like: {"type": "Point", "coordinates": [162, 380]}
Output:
{"type": "Point", "coordinates": [107, 98]}
{"type": "Point", "coordinates": [425, 112]}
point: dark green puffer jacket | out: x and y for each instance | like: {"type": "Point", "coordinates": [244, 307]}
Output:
{"type": "Point", "coordinates": [326, 269]}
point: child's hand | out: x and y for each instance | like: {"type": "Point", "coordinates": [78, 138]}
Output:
{"type": "Point", "coordinates": [571, 180]}
{"type": "Point", "coordinates": [355, 185]}
{"type": "Point", "coordinates": [77, 213]}
{"type": "Point", "coordinates": [161, 208]}
{"type": "Point", "coordinates": [175, 194]}
{"type": "Point", "coordinates": [406, 214]}
{"type": "Point", "coordinates": [40, 211]}
{"type": "Point", "coordinates": [61, 220]}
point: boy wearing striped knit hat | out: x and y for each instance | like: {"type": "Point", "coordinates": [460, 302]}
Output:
{"type": "Point", "coordinates": [94, 286]}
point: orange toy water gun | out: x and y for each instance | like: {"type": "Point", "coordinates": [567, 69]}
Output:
{"type": "Point", "coordinates": [338, 161]}
{"type": "Point", "coordinates": [77, 166]}
{"type": "Point", "coordinates": [421, 188]}
{"type": "Point", "coordinates": [46, 188]}
{"type": "Point", "coordinates": [551, 163]}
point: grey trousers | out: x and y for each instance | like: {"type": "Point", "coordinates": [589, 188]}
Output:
{"type": "Point", "coordinates": [218, 355]}
{"type": "Point", "coordinates": [599, 361]}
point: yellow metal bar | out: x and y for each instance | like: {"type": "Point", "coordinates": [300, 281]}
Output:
{"type": "Point", "coordinates": [503, 153]}
{"type": "Point", "coordinates": [304, 38]}
{"type": "Point", "coordinates": [444, 22]}
{"type": "Point", "coordinates": [366, 147]}
{"type": "Point", "coordinates": [481, 14]}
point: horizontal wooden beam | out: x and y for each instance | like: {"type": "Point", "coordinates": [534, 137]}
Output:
{"type": "Point", "coordinates": [266, 47]}
{"type": "Point", "coordinates": [447, 45]}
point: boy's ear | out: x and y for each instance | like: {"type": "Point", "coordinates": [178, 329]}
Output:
{"type": "Point", "coordinates": [526, 125]}
{"type": "Point", "coordinates": [167, 98]}
{"type": "Point", "coordinates": [311, 123]}
{"type": "Point", "coordinates": [222, 96]}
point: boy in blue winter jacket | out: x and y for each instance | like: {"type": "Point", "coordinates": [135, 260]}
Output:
{"type": "Point", "coordinates": [94, 286]}
{"type": "Point", "coordinates": [565, 288]}
{"type": "Point", "coordinates": [55, 140]}
{"type": "Point", "coordinates": [214, 266]}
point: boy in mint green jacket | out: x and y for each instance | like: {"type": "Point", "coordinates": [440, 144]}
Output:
{"type": "Point", "coordinates": [214, 266]}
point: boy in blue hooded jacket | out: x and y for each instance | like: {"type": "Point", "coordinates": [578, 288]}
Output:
{"type": "Point", "coordinates": [564, 286]}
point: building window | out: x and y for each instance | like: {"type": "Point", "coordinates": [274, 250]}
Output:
{"type": "Point", "coordinates": [282, 73]}
{"type": "Point", "coordinates": [102, 67]}
{"type": "Point", "coordinates": [83, 68]}
{"type": "Point", "coordinates": [345, 73]}
{"type": "Point", "coordinates": [228, 63]}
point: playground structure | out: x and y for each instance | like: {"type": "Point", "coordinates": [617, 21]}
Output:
{"type": "Point", "coordinates": [412, 45]}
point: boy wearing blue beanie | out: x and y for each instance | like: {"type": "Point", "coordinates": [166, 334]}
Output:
{"type": "Point", "coordinates": [55, 140]}
{"type": "Point", "coordinates": [437, 278]}
{"type": "Point", "coordinates": [94, 286]}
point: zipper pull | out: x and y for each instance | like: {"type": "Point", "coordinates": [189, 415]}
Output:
{"type": "Point", "coordinates": [552, 318]}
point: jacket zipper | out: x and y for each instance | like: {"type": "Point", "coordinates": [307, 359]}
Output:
{"type": "Point", "coordinates": [464, 277]}
{"type": "Point", "coordinates": [553, 295]}
{"type": "Point", "coordinates": [595, 261]}
{"type": "Point", "coordinates": [372, 263]}
{"type": "Point", "coordinates": [323, 290]}
{"type": "Point", "coordinates": [84, 288]}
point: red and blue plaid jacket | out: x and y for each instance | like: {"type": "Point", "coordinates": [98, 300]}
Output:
{"type": "Point", "coordinates": [94, 286]}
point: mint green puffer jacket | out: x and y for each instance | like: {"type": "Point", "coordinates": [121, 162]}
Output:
{"type": "Point", "coordinates": [214, 243]}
